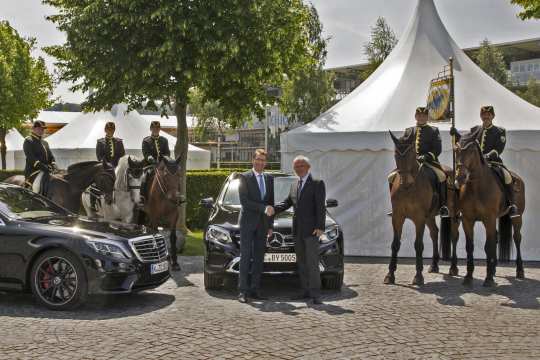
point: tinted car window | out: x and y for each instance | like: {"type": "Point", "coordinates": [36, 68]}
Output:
{"type": "Point", "coordinates": [18, 203]}
{"type": "Point", "coordinates": [282, 186]}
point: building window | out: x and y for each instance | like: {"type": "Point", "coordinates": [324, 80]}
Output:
{"type": "Point", "coordinates": [536, 67]}
{"type": "Point", "coordinates": [530, 67]}
{"type": "Point", "coordinates": [522, 68]}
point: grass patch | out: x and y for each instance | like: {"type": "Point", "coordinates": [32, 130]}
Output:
{"type": "Point", "coordinates": [194, 244]}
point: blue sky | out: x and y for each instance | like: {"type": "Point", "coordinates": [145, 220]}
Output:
{"type": "Point", "coordinates": [347, 22]}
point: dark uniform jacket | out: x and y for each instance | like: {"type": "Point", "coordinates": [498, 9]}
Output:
{"type": "Point", "coordinates": [309, 207]}
{"type": "Point", "coordinates": [38, 156]}
{"type": "Point", "coordinates": [427, 141]}
{"type": "Point", "coordinates": [492, 141]}
{"type": "Point", "coordinates": [155, 147]}
{"type": "Point", "coordinates": [110, 149]}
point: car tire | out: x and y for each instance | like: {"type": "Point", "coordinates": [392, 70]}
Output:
{"type": "Point", "coordinates": [332, 282]}
{"type": "Point", "coordinates": [212, 281]}
{"type": "Point", "coordinates": [61, 269]}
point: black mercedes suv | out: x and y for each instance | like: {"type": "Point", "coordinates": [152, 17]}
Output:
{"type": "Point", "coordinates": [222, 239]}
{"type": "Point", "coordinates": [62, 258]}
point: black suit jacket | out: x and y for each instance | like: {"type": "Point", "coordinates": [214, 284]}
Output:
{"type": "Point", "coordinates": [252, 214]}
{"type": "Point", "coordinates": [309, 207]}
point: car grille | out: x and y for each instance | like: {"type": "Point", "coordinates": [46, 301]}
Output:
{"type": "Point", "coordinates": [150, 248]}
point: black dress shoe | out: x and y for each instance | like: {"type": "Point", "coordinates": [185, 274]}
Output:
{"type": "Point", "coordinates": [317, 301]}
{"type": "Point", "coordinates": [243, 298]}
{"type": "Point", "coordinates": [301, 297]}
{"type": "Point", "coordinates": [258, 296]}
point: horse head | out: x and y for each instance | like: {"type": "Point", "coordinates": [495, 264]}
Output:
{"type": "Point", "coordinates": [405, 157]}
{"type": "Point", "coordinates": [468, 157]}
{"type": "Point", "coordinates": [168, 177]}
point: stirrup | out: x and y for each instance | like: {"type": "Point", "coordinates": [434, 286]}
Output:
{"type": "Point", "coordinates": [444, 212]}
{"type": "Point", "coordinates": [390, 213]}
{"type": "Point", "coordinates": [513, 211]}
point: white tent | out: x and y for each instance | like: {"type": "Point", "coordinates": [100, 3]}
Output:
{"type": "Point", "coordinates": [351, 150]}
{"type": "Point", "coordinates": [77, 140]}
{"type": "Point", "coordinates": [14, 144]}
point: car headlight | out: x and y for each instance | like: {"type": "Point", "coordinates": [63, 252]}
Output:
{"type": "Point", "coordinates": [331, 234]}
{"type": "Point", "coordinates": [109, 249]}
{"type": "Point", "coordinates": [219, 235]}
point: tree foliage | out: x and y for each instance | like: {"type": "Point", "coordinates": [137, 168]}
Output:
{"type": "Point", "coordinates": [153, 52]}
{"type": "Point", "coordinates": [25, 84]}
{"type": "Point", "coordinates": [491, 60]}
{"type": "Point", "coordinates": [382, 42]}
{"type": "Point", "coordinates": [531, 9]}
{"type": "Point", "coordinates": [210, 116]}
{"type": "Point", "coordinates": [310, 92]}
{"type": "Point", "coordinates": [531, 93]}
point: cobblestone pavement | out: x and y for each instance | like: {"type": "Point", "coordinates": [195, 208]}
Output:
{"type": "Point", "coordinates": [366, 320]}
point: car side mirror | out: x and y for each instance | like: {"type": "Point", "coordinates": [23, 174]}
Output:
{"type": "Point", "coordinates": [331, 203]}
{"type": "Point", "coordinates": [207, 203]}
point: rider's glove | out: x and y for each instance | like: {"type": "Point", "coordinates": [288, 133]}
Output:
{"type": "Point", "coordinates": [422, 158]}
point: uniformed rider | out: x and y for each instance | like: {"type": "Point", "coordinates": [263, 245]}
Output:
{"type": "Point", "coordinates": [39, 158]}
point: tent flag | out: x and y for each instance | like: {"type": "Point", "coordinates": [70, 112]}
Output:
{"type": "Point", "coordinates": [440, 97]}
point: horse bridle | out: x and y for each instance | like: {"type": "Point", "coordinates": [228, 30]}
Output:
{"type": "Point", "coordinates": [401, 172]}
{"type": "Point", "coordinates": [163, 187]}
{"type": "Point", "coordinates": [459, 163]}
{"type": "Point", "coordinates": [129, 186]}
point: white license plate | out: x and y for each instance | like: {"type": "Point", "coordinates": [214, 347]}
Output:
{"type": "Point", "coordinates": [280, 258]}
{"type": "Point", "coordinates": [159, 267]}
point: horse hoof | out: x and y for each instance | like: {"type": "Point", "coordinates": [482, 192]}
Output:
{"type": "Point", "coordinates": [389, 279]}
{"type": "Point", "coordinates": [434, 269]}
{"type": "Point", "coordinates": [418, 280]}
{"type": "Point", "coordinates": [175, 267]}
{"type": "Point", "coordinates": [468, 281]}
{"type": "Point", "coordinates": [520, 274]}
{"type": "Point", "coordinates": [453, 271]}
{"type": "Point", "coordinates": [489, 283]}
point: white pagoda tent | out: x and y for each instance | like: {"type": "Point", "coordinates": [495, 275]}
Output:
{"type": "Point", "coordinates": [76, 141]}
{"type": "Point", "coordinates": [350, 147]}
{"type": "Point", "coordinates": [14, 144]}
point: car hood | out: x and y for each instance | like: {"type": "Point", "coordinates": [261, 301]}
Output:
{"type": "Point", "coordinates": [81, 226]}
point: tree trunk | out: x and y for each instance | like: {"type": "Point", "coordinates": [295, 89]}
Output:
{"type": "Point", "coordinates": [3, 146]}
{"type": "Point", "coordinates": [181, 149]}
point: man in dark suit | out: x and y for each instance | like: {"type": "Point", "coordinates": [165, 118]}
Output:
{"type": "Point", "coordinates": [256, 191]}
{"type": "Point", "coordinates": [308, 199]}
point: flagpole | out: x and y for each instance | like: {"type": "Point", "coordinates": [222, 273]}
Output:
{"type": "Point", "coordinates": [452, 114]}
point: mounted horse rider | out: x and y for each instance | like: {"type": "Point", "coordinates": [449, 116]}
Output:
{"type": "Point", "coordinates": [492, 140]}
{"type": "Point", "coordinates": [110, 149]}
{"type": "Point", "coordinates": [154, 148]}
{"type": "Point", "coordinates": [40, 162]}
{"type": "Point", "coordinates": [428, 147]}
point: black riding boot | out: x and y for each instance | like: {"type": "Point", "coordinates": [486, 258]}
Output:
{"type": "Point", "coordinates": [512, 208]}
{"type": "Point", "coordinates": [443, 199]}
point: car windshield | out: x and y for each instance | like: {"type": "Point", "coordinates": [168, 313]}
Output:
{"type": "Point", "coordinates": [282, 186]}
{"type": "Point", "coordinates": [18, 203]}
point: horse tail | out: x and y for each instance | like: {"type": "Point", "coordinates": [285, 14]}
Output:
{"type": "Point", "coordinates": [505, 238]}
{"type": "Point", "coordinates": [446, 238]}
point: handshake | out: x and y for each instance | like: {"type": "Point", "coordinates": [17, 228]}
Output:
{"type": "Point", "coordinates": [269, 211]}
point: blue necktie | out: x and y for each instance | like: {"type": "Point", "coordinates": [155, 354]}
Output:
{"type": "Point", "coordinates": [261, 185]}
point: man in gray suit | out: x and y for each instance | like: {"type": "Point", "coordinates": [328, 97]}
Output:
{"type": "Point", "coordinates": [256, 192]}
{"type": "Point", "coordinates": [308, 198]}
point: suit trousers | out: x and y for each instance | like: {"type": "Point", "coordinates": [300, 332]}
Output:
{"type": "Point", "coordinates": [307, 261]}
{"type": "Point", "coordinates": [252, 247]}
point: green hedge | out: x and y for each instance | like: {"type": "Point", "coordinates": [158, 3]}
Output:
{"type": "Point", "coordinates": [200, 184]}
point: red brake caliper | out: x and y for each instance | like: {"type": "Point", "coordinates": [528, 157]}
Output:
{"type": "Point", "coordinates": [45, 281]}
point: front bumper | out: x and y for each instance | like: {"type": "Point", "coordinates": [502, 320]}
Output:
{"type": "Point", "coordinates": [107, 276]}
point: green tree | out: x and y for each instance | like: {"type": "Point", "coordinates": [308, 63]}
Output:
{"type": "Point", "coordinates": [383, 40]}
{"type": "Point", "coordinates": [210, 116]}
{"type": "Point", "coordinates": [491, 60]}
{"type": "Point", "coordinates": [25, 84]}
{"type": "Point", "coordinates": [531, 93]}
{"type": "Point", "coordinates": [310, 92]}
{"type": "Point", "coordinates": [153, 52]}
{"type": "Point", "coordinates": [531, 9]}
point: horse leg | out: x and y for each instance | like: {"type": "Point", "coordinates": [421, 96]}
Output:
{"type": "Point", "coordinates": [491, 251]}
{"type": "Point", "coordinates": [174, 251]}
{"type": "Point", "coordinates": [468, 228]}
{"type": "Point", "coordinates": [397, 224]}
{"type": "Point", "coordinates": [454, 233]}
{"type": "Point", "coordinates": [434, 234]}
{"type": "Point", "coordinates": [419, 248]}
{"type": "Point", "coordinates": [517, 223]}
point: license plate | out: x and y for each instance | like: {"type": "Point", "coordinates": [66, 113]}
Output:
{"type": "Point", "coordinates": [280, 258]}
{"type": "Point", "coordinates": [159, 267]}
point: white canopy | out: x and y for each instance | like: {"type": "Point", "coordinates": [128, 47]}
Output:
{"type": "Point", "coordinates": [351, 150]}
{"type": "Point", "coordinates": [77, 140]}
{"type": "Point", "coordinates": [14, 143]}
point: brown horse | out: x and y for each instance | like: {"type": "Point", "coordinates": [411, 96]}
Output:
{"type": "Point", "coordinates": [482, 198]}
{"type": "Point", "coordinates": [161, 208]}
{"type": "Point", "coordinates": [412, 198]}
{"type": "Point", "coordinates": [66, 188]}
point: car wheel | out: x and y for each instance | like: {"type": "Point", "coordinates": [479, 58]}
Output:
{"type": "Point", "coordinates": [58, 280]}
{"type": "Point", "coordinates": [333, 282]}
{"type": "Point", "coordinates": [212, 281]}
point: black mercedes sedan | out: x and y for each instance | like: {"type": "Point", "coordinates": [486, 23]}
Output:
{"type": "Point", "coordinates": [62, 258]}
{"type": "Point", "coordinates": [222, 238]}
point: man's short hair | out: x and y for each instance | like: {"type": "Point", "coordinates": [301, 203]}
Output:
{"type": "Point", "coordinates": [39, 124]}
{"type": "Point", "coordinates": [110, 125]}
{"type": "Point", "coordinates": [155, 123]}
{"type": "Point", "coordinates": [302, 158]}
{"type": "Point", "coordinates": [260, 152]}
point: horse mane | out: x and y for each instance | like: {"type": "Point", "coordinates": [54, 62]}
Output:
{"type": "Point", "coordinates": [81, 166]}
{"type": "Point", "coordinates": [78, 174]}
{"type": "Point", "coordinates": [121, 174]}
